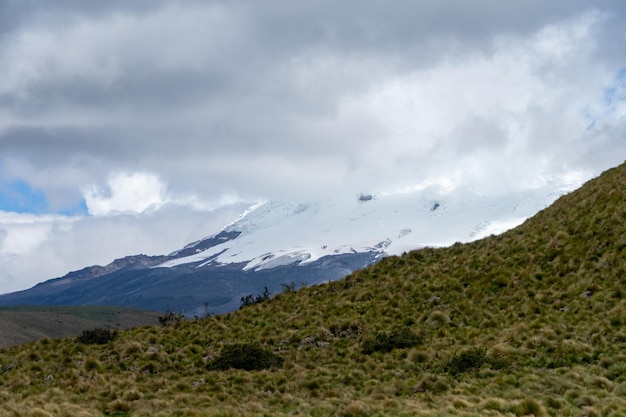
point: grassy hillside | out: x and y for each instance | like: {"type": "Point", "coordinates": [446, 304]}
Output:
{"type": "Point", "coordinates": [23, 324]}
{"type": "Point", "coordinates": [530, 322]}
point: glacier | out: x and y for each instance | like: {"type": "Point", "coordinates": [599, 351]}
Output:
{"type": "Point", "coordinates": [271, 233]}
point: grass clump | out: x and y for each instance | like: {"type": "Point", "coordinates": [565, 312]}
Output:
{"type": "Point", "coordinates": [398, 338]}
{"type": "Point", "coordinates": [529, 407]}
{"type": "Point", "coordinates": [246, 356]}
{"type": "Point", "coordinates": [432, 384]}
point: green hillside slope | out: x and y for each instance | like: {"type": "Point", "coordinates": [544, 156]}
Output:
{"type": "Point", "coordinates": [23, 324]}
{"type": "Point", "coordinates": [530, 322]}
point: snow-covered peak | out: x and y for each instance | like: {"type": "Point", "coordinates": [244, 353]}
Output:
{"type": "Point", "coordinates": [270, 234]}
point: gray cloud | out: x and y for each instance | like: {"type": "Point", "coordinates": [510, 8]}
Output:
{"type": "Point", "coordinates": [133, 86]}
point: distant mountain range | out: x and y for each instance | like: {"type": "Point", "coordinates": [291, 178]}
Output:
{"type": "Point", "coordinates": [274, 245]}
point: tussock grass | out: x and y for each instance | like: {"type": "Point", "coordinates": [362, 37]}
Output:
{"type": "Point", "coordinates": [529, 322]}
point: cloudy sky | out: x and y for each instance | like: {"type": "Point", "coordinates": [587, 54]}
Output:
{"type": "Point", "coordinates": [138, 126]}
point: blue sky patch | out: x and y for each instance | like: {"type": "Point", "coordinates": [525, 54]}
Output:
{"type": "Point", "coordinates": [612, 98]}
{"type": "Point", "coordinates": [617, 93]}
{"type": "Point", "coordinates": [79, 209]}
{"type": "Point", "coordinates": [18, 196]}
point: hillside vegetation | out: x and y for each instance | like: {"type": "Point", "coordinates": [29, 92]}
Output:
{"type": "Point", "coordinates": [530, 322]}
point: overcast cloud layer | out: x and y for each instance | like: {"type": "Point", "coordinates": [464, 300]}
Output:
{"type": "Point", "coordinates": [142, 125]}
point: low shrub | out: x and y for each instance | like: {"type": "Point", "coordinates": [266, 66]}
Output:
{"type": "Point", "coordinates": [97, 336]}
{"type": "Point", "coordinates": [171, 317]}
{"type": "Point", "coordinates": [466, 361]}
{"type": "Point", "coordinates": [246, 356]}
{"type": "Point", "coordinates": [398, 338]}
{"type": "Point", "coordinates": [250, 299]}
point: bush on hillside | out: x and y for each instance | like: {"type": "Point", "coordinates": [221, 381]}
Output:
{"type": "Point", "coordinates": [398, 338]}
{"type": "Point", "coordinates": [250, 299]}
{"type": "Point", "coordinates": [97, 336]}
{"type": "Point", "coordinates": [466, 361]}
{"type": "Point", "coordinates": [246, 356]}
{"type": "Point", "coordinates": [171, 317]}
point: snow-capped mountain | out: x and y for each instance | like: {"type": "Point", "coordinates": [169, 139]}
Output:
{"type": "Point", "coordinates": [271, 234]}
{"type": "Point", "coordinates": [273, 244]}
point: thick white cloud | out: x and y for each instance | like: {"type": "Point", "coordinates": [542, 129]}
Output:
{"type": "Point", "coordinates": [126, 192]}
{"type": "Point", "coordinates": [132, 108]}
{"type": "Point", "coordinates": [140, 192]}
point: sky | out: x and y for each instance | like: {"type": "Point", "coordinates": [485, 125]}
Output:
{"type": "Point", "coordinates": [138, 127]}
